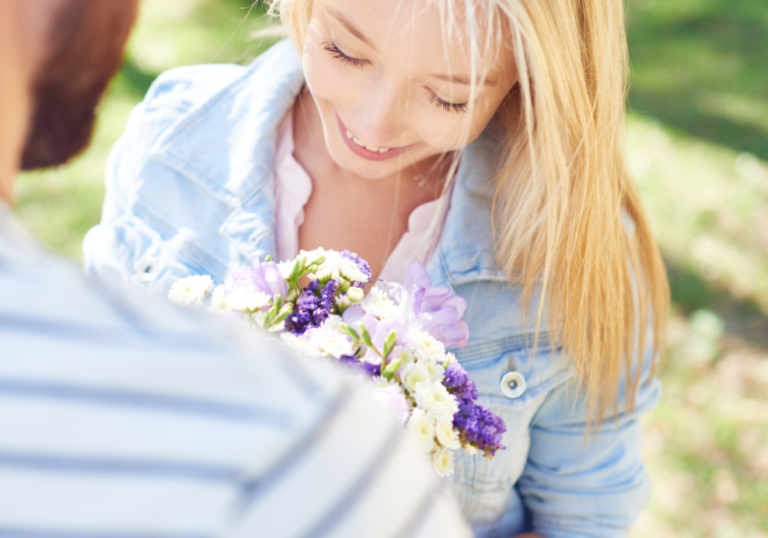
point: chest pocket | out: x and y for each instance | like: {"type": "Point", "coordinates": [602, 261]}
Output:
{"type": "Point", "coordinates": [513, 381]}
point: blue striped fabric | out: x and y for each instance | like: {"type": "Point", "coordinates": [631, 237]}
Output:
{"type": "Point", "coordinates": [124, 417]}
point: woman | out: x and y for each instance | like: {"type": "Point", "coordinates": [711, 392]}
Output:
{"type": "Point", "coordinates": [480, 137]}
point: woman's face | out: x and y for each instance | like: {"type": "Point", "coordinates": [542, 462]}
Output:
{"type": "Point", "coordinates": [392, 87]}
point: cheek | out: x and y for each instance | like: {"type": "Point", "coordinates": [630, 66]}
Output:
{"type": "Point", "coordinates": [328, 79]}
{"type": "Point", "coordinates": [448, 132]}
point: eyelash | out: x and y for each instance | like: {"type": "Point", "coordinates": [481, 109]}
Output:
{"type": "Point", "coordinates": [445, 105]}
{"type": "Point", "coordinates": [336, 54]}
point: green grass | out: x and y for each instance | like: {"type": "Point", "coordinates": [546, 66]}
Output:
{"type": "Point", "coordinates": [698, 148]}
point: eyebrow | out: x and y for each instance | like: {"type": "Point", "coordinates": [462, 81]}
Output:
{"type": "Point", "coordinates": [458, 79]}
{"type": "Point", "coordinates": [351, 28]}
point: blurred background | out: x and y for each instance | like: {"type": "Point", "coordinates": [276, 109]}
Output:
{"type": "Point", "coordinates": [698, 149]}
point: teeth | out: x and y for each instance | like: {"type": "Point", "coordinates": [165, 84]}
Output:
{"type": "Point", "coordinates": [360, 143]}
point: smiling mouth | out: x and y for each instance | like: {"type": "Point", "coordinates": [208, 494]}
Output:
{"type": "Point", "coordinates": [360, 143]}
{"type": "Point", "coordinates": [369, 153]}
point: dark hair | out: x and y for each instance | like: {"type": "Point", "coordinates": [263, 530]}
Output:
{"type": "Point", "coordinates": [85, 49]}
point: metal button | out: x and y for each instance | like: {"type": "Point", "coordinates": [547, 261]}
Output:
{"type": "Point", "coordinates": [513, 384]}
{"type": "Point", "coordinates": [146, 273]}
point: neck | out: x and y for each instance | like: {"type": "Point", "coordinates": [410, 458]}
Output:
{"type": "Point", "coordinates": [14, 100]}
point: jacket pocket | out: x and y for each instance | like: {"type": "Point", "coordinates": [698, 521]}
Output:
{"type": "Point", "coordinates": [484, 486]}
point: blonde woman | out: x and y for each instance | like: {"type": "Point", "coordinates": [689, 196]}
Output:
{"type": "Point", "coordinates": [480, 137]}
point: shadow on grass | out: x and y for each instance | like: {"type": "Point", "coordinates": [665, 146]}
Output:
{"type": "Point", "coordinates": [743, 317]}
{"type": "Point", "coordinates": [701, 67]}
{"type": "Point", "coordinates": [137, 80]}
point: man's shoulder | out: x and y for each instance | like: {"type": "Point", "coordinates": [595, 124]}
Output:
{"type": "Point", "coordinates": [54, 322]}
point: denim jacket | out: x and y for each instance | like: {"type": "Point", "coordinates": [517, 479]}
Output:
{"type": "Point", "coordinates": [189, 192]}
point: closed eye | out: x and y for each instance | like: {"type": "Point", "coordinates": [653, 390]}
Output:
{"type": "Point", "coordinates": [338, 55]}
{"type": "Point", "coordinates": [445, 105]}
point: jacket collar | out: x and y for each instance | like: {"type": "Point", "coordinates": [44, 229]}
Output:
{"type": "Point", "coordinates": [235, 168]}
{"type": "Point", "coordinates": [466, 250]}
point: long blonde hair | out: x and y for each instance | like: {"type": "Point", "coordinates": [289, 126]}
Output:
{"type": "Point", "coordinates": [568, 219]}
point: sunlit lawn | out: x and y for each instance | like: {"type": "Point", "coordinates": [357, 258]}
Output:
{"type": "Point", "coordinates": [697, 145]}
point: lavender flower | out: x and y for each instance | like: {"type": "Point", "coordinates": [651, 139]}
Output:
{"type": "Point", "coordinates": [252, 288]}
{"type": "Point", "coordinates": [371, 369]}
{"type": "Point", "coordinates": [480, 427]}
{"type": "Point", "coordinates": [437, 311]}
{"type": "Point", "coordinates": [313, 306]}
{"type": "Point", "coordinates": [455, 376]}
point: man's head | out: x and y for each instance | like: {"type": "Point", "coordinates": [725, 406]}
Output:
{"type": "Point", "coordinates": [56, 59]}
{"type": "Point", "coordinates": [83, 49]}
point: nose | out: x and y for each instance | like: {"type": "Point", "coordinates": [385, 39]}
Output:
{"type": "Point", "coordinates": [379, 117]}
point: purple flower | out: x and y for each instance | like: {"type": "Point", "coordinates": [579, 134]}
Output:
{"type": "Point", "coordinates": [476, 424]}
{"type": "Point", "coordinates": [371, 369]}
{"type": "Point", "coordinates": [313, 306]}
{"type": "Point", "coordinates": [480, 427]}
{"type": "Point", "coordinates": [455, 376]}
{"type": "Point", "coordinates": [377, 329]}
{"type": "Point", "coordinates": [437, 310]}
{"type": "Point", "coordinates": [261, 276]}
{"type": "Point", "coordinates": [253, 287]}
{"type": "Point", "coordinates": [360, 263]}
{"type": "Point", "coordinates": [391, 398]}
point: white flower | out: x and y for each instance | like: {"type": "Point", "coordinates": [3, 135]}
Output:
{"type": "Point", "coordinates": [436, 371]}
{"type": "Point", "coordinates": [424, 346]}
{"type": "Point", "coordinates": [246, 301]}
{"type": "Point", "coordinates": [329, 342]}
{"type": "Point", "coordinates": [436, 400]}
{"type": "Point", "coordinates": [422, 429]}
{"type": "Point", "coordinates": [380, 382]}
{"type": "Point", "coordinates": [378, 304]}
{"type": "Point", "coordinates": [450, 358]}
{"type": "Point", "coordinates": [300, 345]}
{"type": "Point", "coordinates": [286, 268]}
{"type": "Point", "coordinates": [334, 266]}
{"type": "Point", "coordinates": [190, 291]}
{"type": "Point", "coordinates": [404, 355]}
{"type": "Point", "coordinates": [323, 341]}
{"type": "Point", "coordinates": [355, 294]}
{"type": "Point", "coordinates": [471, 450]}
{"type": "Point", "coordinates": [446, 435]}
{"type": "Point", "coordinates": [350, 270]}
{"type": "Point", "coordinates": [413, 374]}
{"type": "Point", "coordinates": [442, 462]}
{"type": "Point", "coordinates": [218, 299]}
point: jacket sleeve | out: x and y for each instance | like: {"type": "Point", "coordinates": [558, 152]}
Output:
{"type": "Point", "coordinates": [107, 252]}
{"type": "Point", "coordinates": [588, 487]}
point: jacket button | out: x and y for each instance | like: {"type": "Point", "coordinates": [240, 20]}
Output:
{"type": "Point", "coordinates": [147, 270]}
{"type": "Point", "coordinates": [513, 384]}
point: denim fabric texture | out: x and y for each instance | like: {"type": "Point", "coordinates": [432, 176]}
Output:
{"type": "Point", "coordinates": [189, 191]}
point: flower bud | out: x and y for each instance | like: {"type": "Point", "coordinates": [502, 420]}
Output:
{"type": "Point", "coordinates": [355, 294]}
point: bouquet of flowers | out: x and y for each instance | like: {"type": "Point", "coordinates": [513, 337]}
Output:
{"type": "Point", "coordinates": [396, 335]}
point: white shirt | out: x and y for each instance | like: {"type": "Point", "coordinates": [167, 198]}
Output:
{"type": "Point", "coordinates": [121, 415]}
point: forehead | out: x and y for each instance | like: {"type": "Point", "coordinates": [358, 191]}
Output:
{"type": "Point", "coordinates": [432, 34]}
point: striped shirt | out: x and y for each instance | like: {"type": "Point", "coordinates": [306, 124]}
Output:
{"type": "Point", "coordinates": [122, 416]}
